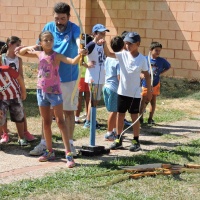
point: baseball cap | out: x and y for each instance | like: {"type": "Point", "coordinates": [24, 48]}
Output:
{"type": "Point", "coordinates": [99, 28]}
{"type": "Point", "coordinates": [132, 37]}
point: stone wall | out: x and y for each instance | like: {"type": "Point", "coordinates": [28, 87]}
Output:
{"type": "Point", "coordinates": [175, 24]}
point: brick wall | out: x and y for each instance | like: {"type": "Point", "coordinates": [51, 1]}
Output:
{"type": "Point", "coordinates": [174, 23]}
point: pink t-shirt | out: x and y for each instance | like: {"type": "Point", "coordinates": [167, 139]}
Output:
{"type": "Point", "coordinates": [48, 76]}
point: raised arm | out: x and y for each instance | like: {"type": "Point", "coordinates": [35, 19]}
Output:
{"type": "Point", "coordinates": [72, 61]}
{"type": "Point", "coordinates": [29, 51]}
{"type": "Point", "coordinates": [107, 52]}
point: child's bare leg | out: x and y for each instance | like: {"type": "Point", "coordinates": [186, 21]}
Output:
{"type": "Point", "coordinates": [4, 128]}
{"type": "Point", "coordinates": [87, 100]}
{"type": "Point", "coordinates": [20, 129]}
{"type": "Point", "coordinates": [111, 121]}
{"type": "Point", "coordinates": [58, 112]}
{"type": "Point", "coordinates": [136, 126]}
{"type": "Point", "coordinates": [152, 107]}
{"type": "Point", "coordinates": [25, 122]}
{"type": "Point", "coordinates": [79, 107]}
{"type": "Point", "coordinates": [47, 119]}
{"type": "Point", "coordinates": [120, 122]}
{"type": "Point", "coordinates": [95, 103]}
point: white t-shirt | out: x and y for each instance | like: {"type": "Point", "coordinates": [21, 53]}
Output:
{"type": "Point", "coordinates": [12, 62]}
{"type": "Point", "coordinates": [130, 69]}
{"type": "Point", "coordinates": [97, 74]}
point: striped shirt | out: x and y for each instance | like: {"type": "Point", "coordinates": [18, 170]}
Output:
{"type": "Point", "coordinates": [9, 88]}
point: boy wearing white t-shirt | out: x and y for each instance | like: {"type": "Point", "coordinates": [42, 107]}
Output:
{"type": "Point", "coordinates": [132, 63]}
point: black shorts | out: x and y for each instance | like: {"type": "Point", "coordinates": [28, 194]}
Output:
{"type": "Point", "coordinates": [128, 103]}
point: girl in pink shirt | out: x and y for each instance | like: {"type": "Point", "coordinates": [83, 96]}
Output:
{"type": "Point", "coordinates": [49, 91]}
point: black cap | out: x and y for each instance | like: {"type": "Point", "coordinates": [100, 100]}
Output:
{"type": "Point", "coordinates": [132, 37]}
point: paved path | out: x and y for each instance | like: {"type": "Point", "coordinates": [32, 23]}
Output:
{"type": "Point", "coordinates": [16, 164]}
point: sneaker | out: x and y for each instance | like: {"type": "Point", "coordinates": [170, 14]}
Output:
{"type": "Point", "coordinates": [47, 156]}
{"type": "Point", "coordinates": [116, 145]}
{"type": "Point", "coordinates": [77, 122]}
{"type": "Point", "coordinates": [135, 146]}
{"type": "Point", "coordinates": [4, 138]}
{"type": "Point", "coordinates": [127, 123]}
{"type": "Point", "coordinates": [38, 150]}
{"type": "Point", "coordinates": [73, 150]}
{"type": "Point", "coordinates": [86, 124]}
{"type": "Point", "coordinates": [28, 136]}
{"type": "Point", "coordinates": [151, 122]}
{"type": "Point", "coordinates": [110, 137]}
{"type": "Point", "coordinates": [70, 160]}
{"type": "Point", "coordinates": [22, 142]}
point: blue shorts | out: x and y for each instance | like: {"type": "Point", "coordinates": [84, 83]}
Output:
{"type": "Point", "coordinates": [110, 99]}
{"type": "Point", "coordinates": [48, 99]}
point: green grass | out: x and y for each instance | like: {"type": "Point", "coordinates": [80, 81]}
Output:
{"type": "Point", "coordinates": [81, 186]}
{"type": "Point", "coordinates": [73, 184]}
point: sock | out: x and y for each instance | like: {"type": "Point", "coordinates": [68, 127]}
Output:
{"type": "Point", "coordinates": [136, 138]}
{"type": "Point", "coordinates": [71, 142]}
{"type": "Point", "coordinates": [50, 150]}
{"type": "Point", "coordinates": [66, 152]}
{"type": "Point", "coordinates": [76, 118]}
{"type": "Point", "coordinates": [43, 141]}
{"type": "Point", "coordinates": [114, 130]}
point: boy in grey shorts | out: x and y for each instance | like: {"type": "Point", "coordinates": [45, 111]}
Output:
{"type": "Point", "coordinates": [10, 95]}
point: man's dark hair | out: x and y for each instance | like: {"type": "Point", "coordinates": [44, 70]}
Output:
{"type": "Point", "coordinates": [117, 44]}
{"type": "Point", "coordinates": [62, 8]}
{"type": "Point", "coordinates": [155, 45]}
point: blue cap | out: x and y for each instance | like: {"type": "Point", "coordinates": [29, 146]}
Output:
{"type": "Point", "coordinates": [99, 28]}
{"type": "Point", "coordinates": [132, 37]}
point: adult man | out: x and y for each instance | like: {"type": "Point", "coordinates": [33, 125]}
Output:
{"type": "Point", "coordinates": [66, 40]}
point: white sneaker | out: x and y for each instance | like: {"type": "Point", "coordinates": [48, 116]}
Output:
{"type": "Point", "coordinates": [38, 150]}
{"type": "Point", "coordinates": [73, 150]}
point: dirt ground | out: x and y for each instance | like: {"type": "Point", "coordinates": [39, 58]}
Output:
{"type": "Point", "coordinates": [16, 164]}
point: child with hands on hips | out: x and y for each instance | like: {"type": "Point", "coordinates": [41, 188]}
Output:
{"type": "Point", "coordinates": [159, 66]}
{"type": "Point", "coordinates": [49, 91]}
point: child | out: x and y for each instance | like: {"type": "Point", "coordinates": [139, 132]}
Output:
{"type": "Point", "coordinates": [10, 59]}
{"type": "Point", "coordinates": [49, 92]}
{"type": "Point", "coordinates": [132, 63]}
{"type": "Point", "coordinates": [112, 71]}
{"type": "Point", "coordinates": [11, 97]}
{"type": "Point", "coordinates": [97, 49]}
{"type": "Point", "coordinates": [83, 89]}
{"type": "Point", "coordinates": [159, 66]}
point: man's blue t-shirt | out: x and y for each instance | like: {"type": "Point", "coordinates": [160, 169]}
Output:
{"type": "Point", "coordinates": [159, 65]}
{"type": "Point", "coordinates": [65, 43]}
